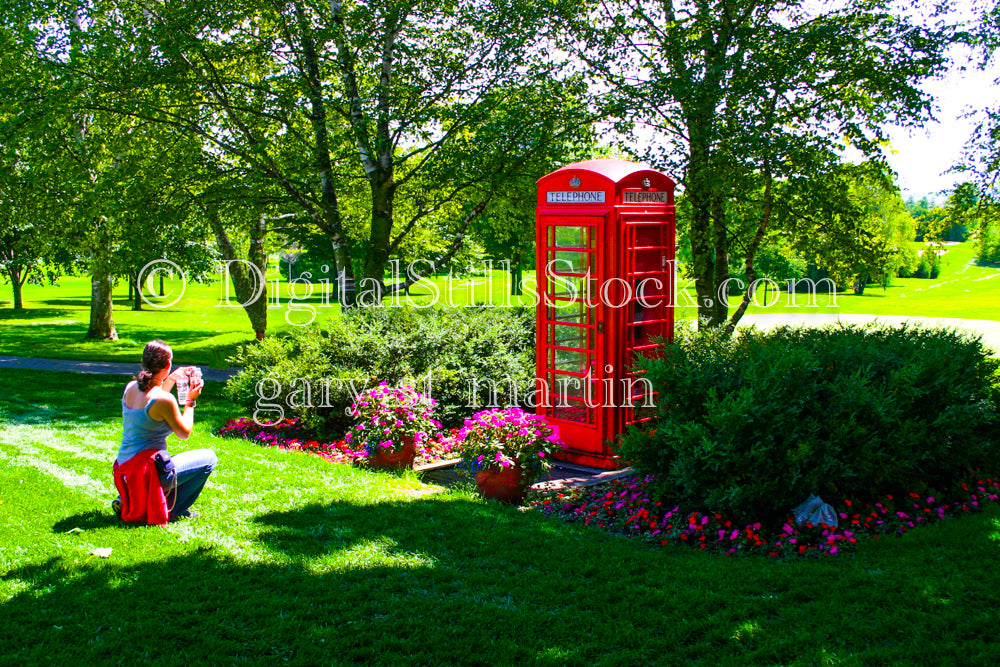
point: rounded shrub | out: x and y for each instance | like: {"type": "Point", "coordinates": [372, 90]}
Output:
{"type": "Point", "coordinates": [472, 357]}
{"type": "Point", "coordinates": [751, 425]}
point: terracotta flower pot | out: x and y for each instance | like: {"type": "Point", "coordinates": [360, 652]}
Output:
{"type": "Point", "coordinates": [507, 485]}
{"type": "Point", "coordinates": [384, 459]}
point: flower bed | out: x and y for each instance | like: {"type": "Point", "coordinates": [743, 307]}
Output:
{"type": "Point", "coordinates": [289, 434]}
{"type": "Point", "coordinates": [627, 506]}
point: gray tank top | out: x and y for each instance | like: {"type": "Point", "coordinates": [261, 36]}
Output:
{"type": "Point", "coordinates": [141, 431]}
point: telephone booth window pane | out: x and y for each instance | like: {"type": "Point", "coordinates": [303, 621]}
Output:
{"type": "Point", "coordinates": [573, 411]}
{"type": "Point", "coordinates": [571, 360]}
{"type": "Point", "coordinates": [648, 236]}
{"type": "Point", "coordinates": [573, 237]}
{"type": "Point", "coordinates": [647, 261]}
{"type": "Point", "coordinates": [652, 289]}
{"type": "Point", "coordinates": [640, 391]}
{"type": "Point", "coordinates": [566, 385]}
{"type": "Point", "coordinates": [644, 334]}
{"type": "Point", "coordinates": [571, 311]}
{"type": "Point", "coordinates": [642, 313]}
{"type": "Point", "coordinates": [572, 287]}
{"type": "Point", "coordinates": [571, 262]}
{"type": "Point", "coordinates": [569, 336]}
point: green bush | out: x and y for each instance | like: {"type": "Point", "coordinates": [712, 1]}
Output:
{"type": "Point", "coordinates": [994, 368]}
{"type": "Point", "coordinates": [929, 265]}
{"type": "Point", "coordinates": [752, 425]}
{"type": "Point", "coordinates": [461, 348]}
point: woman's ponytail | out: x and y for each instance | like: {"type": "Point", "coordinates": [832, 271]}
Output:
{"type": "Point", "coordinates": [155, 358]}
{"type": "Point", "coordinates": [144, 377]}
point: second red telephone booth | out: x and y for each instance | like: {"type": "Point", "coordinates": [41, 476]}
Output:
{"type": "Point", "coordinates": [605, 270]}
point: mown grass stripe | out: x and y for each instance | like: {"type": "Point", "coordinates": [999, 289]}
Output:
{"type": "Point", "coordinates": [64, 439]}
{"type": "Point", "coordinates": [32, 457]}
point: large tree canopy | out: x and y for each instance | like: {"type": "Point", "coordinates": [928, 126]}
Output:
{"type": "Point", "coordinates": [746, 93]}
{"type": "Point", "coordinates": [329, 99]}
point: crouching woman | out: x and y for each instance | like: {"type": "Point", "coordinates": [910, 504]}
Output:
{"type": "Point", "coordinates": [150, 413]}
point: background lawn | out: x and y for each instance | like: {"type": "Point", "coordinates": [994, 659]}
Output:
{"type": "Point", "coordinates": [203, 333]}
{"type": "Point", "coordinates": [962, 290]}
{"type": "Point", "coordinates": [301, 561]}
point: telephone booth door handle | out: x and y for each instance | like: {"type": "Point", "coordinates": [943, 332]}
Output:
{"type": "Point", "coordinates": [600, 327]}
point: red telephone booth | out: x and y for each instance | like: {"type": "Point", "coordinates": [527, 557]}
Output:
{"type": "Point", "coordinates": [605, 239]}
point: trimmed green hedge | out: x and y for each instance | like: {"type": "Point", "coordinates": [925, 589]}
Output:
{"type": "Point", "coordinates": [752, 425]}
{"type": "Point", "coordinates": [462, 349]}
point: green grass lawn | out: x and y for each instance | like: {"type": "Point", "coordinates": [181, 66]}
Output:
{"type": "Point", "coordinates": [963, 290]}
{"type": "Point", "coordinates": [203, 333]}
{"type": "Point", "coordinates": [301, 561]}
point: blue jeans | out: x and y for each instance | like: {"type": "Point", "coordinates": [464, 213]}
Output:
{"type": "Point", "coordinates": [193, 469]}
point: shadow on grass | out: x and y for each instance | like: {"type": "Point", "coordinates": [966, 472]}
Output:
{"type": "Point", "coordinates": [41, 397]}
{"type": "Point", "coordinates": [362, 585]}
{"type": "Point", "coordinates": [67, 340]}
{"type": "Point", "coordinates": [92, 520]}
{"type": "Point", "coordinates": [34, 313]}
{"type": "Point", "coordinates": [82, 302]}
{"type": "Point", "coordinates": [455, 581]}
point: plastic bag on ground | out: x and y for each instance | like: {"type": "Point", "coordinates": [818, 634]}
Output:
{"type": "Point", "coordinates": [815, 511]}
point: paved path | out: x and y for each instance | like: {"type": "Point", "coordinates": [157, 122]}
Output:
{"type": "Point", "coordinates": [988, 329]}
{"type": "Point", "coordinates": [101, 367]}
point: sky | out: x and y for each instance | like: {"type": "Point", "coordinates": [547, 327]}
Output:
{"type": "Point", "coordinates": [921, 156]}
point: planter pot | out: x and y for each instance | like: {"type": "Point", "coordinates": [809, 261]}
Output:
{"type": "Point", "coordinates": [507, 485]}
{"type": "Point", "coordinates": [386, 460]}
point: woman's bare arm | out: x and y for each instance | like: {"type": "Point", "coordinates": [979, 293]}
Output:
{"type": "Point", "coordinates": [179, 418]}
{"type": "Point", "coordinates": [171, 380]}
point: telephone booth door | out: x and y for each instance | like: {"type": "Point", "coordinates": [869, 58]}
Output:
{"type": "Point", "coordinates": [648, 271]}
{"type": "Point", "coordinates": [571, 326]}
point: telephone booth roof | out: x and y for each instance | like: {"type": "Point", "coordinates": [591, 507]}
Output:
{"type": "Point", "coordinates": [610, 174]}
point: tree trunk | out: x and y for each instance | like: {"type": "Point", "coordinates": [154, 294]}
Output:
{"type": "Point", "coordinates": [330, 221]}
{"type": "Point", "coordinates": [859, 285]}
{"type": "Point", "coordinates": [383, 193]}
{"type": "Point", "coordinates": [102, 321]}
{"type": "Point", "coordinates": [17, 280]}
{"type": "Point", "coordinates": [162, 291]}
{"type": "Point", "coordinates": [720, 240]}
{"type": "Point", "coordinates": [244, 279]}
{"type": "Point", "coordinates": [703, 255]}
{"type": "Point", "coordinates": [516, 276]}
{"type": "Point", "coordinates": [136, 289]}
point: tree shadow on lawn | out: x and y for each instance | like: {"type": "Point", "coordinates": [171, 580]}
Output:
{"type": "Point", "coordinates": [59, 339]}
{"type": "Point", "coordinates": [43, 397]}
{"type": "Point", "coordinates": [456, 581]}
{"type": "Point", "coordinates": [78, 303]}
{"type": "Point", "coordinates": [36, 313]}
